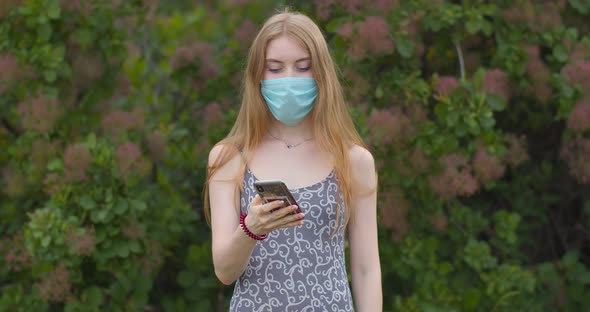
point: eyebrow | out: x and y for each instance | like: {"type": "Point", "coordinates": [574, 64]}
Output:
{"type": "Point", "coordinates": [297, 61]}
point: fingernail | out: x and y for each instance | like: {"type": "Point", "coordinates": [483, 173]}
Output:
{"type": "Point", "coordinates": [301, 215]}
{"type": "Point", "coordinates": [294, 207]}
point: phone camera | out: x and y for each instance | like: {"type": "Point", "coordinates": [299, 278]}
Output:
{"type": "Point", "coordinates": [260, 188]}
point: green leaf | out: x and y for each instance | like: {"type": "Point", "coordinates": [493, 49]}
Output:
{"type": "Point", "coordinates": [122, 251]}
{"type": "Point", "coordinates": [138, 205]}
{"type": "Point", "coordinates": [487, 122]}
{"type": "Point", "coordinates": [102, 215]}
{"type": "Point", "coordinates": [134, 246]}
{"type": "Point", "coordinates": [120, 207]}
{"type": "Point", "coordinates": [50, 76]}
{"type": "Point", "coordinates": [91, 141]}
{"type": "Point", "coordinates": [379, 92]}
{"type": "Point", "coordinates": [584, 278]}
{"type": "Point", "coordinates": [472, 26]}
{"type": "Point", "coordinates": [54, 11]}
{"type": "Point", "coordinates": [583, 7]}
{"type": "Point", "coordinates": [452, 118]}
{"type": "Point", "coordinates": [405, 47]}
{"type": "Point", "coordinates": [44, 33]}
{"type": "Point", "coordinates": [55, 164]}
{"type": "Point", "coordinates": [471, 299]}
{"type": "Point", "coordinates": [93, 296]}
{"type": "Point", "coordinates": [108, 196]}
{"type": "Point", "coordinates": [560, 53]}
{"type": "Point", "coordinates": [87, 202]}
{"type": "Point", "coordinates": [185, 278]}
{"type": "Point", "coordinates": [496, 102]}
{"type": "Point", "coordinates": [25, 10]}
{"type": "Point", "coordinates": [45, 241]}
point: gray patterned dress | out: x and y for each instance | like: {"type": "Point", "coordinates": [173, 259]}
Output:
{"type": "Point", "coordinates": [300, 268]}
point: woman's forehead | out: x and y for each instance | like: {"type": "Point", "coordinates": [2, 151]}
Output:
{"type": "Point", "coordinates": [285, 48]}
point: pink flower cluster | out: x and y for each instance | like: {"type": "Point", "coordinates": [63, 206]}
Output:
{"type": "Point", "coordinates": [446, 85]}
{"type": "Point", "coordinates": [578, 52]}
{"type": "Point", "coordinates": [357, 87]}
{"type": "Point", "coordinates": [539, 73]}
{"type": "Point", "coordinates": [516, 150]}
{"type": "Point", "coordinates": [153, 258]}
{"type": "Point", "coordinates": [132, 229]}
{"type": "Point", "coordinates": [578, 72]}
{"type": "Point", "coordinates": [393, 208]}
{"type": "Point", "coordinates": [14, 181]}
{"type": "Point", "coordinates": [56, 286]}
{"type": "Point", "coordinates": [353, 7]}
{"type": "Point", "coordinates": [412, 164]}
{"type": "Point", "coordinates": [455, 179]}
{"type": "Point", "coordinates": [440, 222]}
{"type": "Point", "coordinates": [87, 68]}
{"type": "Point", "coordinates": [579, 118]}
{"type": "Point", "coordinates": [7, 5]}
{"type": "Point", "coordinates": [118, 121]}
{"type": "Point", "coordinates": [212, 115]}
{"type": "Point", "coordinates": [418, 161]}
{"type": "Point", "coordinates": [39, 114]}
{"type": "Point", "coordinates": [520, 12]}
{"type": "Point", "coordinates": [16, 255]}
{"type": "Point", "coordinates": [156, 144]}
{"type": "Point", "coordinates": [371, 36]}
{"type": "Point", "coordinates": [245, 33]}
{"type": "Point", "coordinates": [42, 151]}
{"type": "Point", "coordinates": [539, 20]}
{"type": "Point", "coordinates": [487, 167]}
{"type": "Point", "coordinates": [8, 71]}
{"type": "Point", "coordinates": [323, 9]}
{"type": "Point", "coordinates": [77, 6]}
{"type": "Point", "coordinates": [576, 153]}
{"type": "Point", "coordinates": [81, 244]}
{"type": "Point", "coordinates": [129, 159]}
{"type": "Point", "coordinates": [123, 86]}
{"type": "Point", "coordinates": [496, 82]}
{"type": "Point", "coordinates": [387, 126]}
{"type": "Point", "coordinates": [201, 54]}
{"type": "Point", "coordinates": [52, 183]}
{"type": "Point", "coordinates": [77, 159]}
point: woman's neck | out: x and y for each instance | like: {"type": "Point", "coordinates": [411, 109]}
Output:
{"type": "Point", "coordinates": [300, 132]}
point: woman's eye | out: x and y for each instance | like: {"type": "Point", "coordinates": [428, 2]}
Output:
{"type": "Point", "coordinates": [303, 68]}
{"type": "Point", "coordinates": [274, 70]}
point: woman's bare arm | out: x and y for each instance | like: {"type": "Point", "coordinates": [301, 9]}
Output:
{"type": "Point", "coordinates": [362, 233]}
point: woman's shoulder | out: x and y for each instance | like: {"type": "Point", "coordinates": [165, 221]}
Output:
{"type": "Point", "coordinates": [360, 157]}
{"type": "Point", "coordinates": [225, 158]}
{"type": "Point", "coordinates": [362, 169]}
{"type": "Point", "coordinates": [222, 149]}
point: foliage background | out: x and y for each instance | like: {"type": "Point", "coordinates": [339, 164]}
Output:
{"type": "Point", "coordinates": [477, 112]}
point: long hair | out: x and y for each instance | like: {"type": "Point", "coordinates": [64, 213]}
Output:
{"type": "Point", "coordinates": [334, 129]}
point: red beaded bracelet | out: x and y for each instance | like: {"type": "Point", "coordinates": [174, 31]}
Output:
{"type": "Point", "coordinates": [245, 228]}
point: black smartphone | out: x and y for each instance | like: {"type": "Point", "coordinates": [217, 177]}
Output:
{"type": "Point", "coordinates": [271, 190]}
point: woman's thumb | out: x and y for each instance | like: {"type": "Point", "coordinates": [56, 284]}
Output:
{"type": "Point", "coordinates": [257, 200]}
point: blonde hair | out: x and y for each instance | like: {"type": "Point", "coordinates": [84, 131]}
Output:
{"type": "Point", "coordinates": [334, 129]}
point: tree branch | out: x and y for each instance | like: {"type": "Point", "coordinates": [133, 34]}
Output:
{"type": "Point", "coordinates": [9, 127]}
{"type": "Point", "coordinates": [461, 61]}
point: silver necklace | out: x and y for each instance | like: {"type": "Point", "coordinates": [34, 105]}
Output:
{"type": "Point", "coordinates": [287, 144]}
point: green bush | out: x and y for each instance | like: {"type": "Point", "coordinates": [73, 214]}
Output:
{"type": "Point", "coordinates": [477, 112]}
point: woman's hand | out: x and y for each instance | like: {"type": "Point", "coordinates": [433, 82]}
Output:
{"type": "Point", "coordinates": [264, 218]}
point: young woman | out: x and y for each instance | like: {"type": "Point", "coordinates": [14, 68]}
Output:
{"type": "Point", "coordinates": [294, 126]}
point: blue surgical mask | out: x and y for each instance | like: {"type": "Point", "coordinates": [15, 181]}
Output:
{"type": "Point", "coordinates": [289, 99]}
